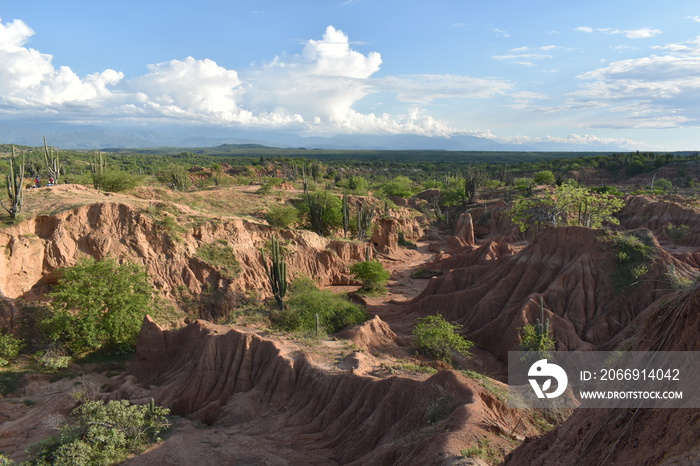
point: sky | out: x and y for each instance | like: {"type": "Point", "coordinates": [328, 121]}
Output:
{"type": "Point", "coordinates": [617, 71]}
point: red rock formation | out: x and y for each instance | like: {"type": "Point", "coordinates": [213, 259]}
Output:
{"type": "Point", "coordinates": [631, 436]}
{"type": "Point", "coordinates": [277, 407]}
{"type": "Point", "coordinates": [572, 268]}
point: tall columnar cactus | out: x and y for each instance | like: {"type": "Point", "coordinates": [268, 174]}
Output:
{"type": "Point", "coordinates": [304, 179]}
{"type": "Point", "coordinates": [346, 215]}
{"type": "Point", "coordinates": [97, 167]}
{"type": "Point", "coordinates": [53, 166]}
{"type": "Point", "coordinates": [542, 325]}
{"type": "Point", "coordinates": [365, 215]}
{"type": "Point", "coordinates": [15, 186]}
{"type": "Point", "coordinates": [368, 253]}
{"type": "Point", "coordinates": [276, 272]}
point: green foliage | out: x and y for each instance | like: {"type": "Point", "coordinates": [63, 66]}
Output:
{"type": "Point", "coordinates": [306, 300]}
{"type": "Point", "coordinates": [115, 181]}
{"type": "Point", "coordinates": [633, 253]}
{"type": "Point", "coordinates": [282, 216]}
{"type": "Point", "coordinates": [483, 450]}
{"type": "Point", "coordinates": [97, 304]}
{"type": "Point", "coordinates": [439, 339]}
{"type": "Point", "coordinates": [100, 433]}
{"type": "Point", "coordinates": [174, 177]}
{"type": "Point", "coordinates": [220, 255]}
{"type": "Point", "coordinates": [365, 215]}
{"type": "Point", "coordinates": [474, 178]}
{"type": "Point", "coordinates": [663, 185]}
{"type": "Point", "coordinates": [544, 177]}
{"type": "Point", "coordinates": [677, 233]}
{"type": "Point", "coordinates": [568, 205]}
{"type": "Point", "coordinates": [357, 185]}
{"type": "Point", "coordinates": [372, 275]}
{"type": "Point", "coordinates": [536, 338]}
{"type": "Point", "coordinates": [9, 348]}
{"type": "Point", "coordinates": [323, 211]}
{"type": "Point", "coordinates": [401, 186]}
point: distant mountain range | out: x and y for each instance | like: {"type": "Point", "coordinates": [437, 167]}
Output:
{"type": "Point", "coordinates": [71, 136]}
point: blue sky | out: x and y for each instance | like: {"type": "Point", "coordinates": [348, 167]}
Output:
{"type": "Point", "coordinates": [623, 72]}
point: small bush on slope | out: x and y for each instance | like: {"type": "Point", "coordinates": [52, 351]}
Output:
{"type": "Point", "coordinates": [437, 338]}
{"type": "Point", "coordinates": [101, 434]}
{"type": "Point", "coordinates": [305, 300]}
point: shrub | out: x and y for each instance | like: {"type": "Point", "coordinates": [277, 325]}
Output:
{"type": "Point", "coordinates": [323, 212]}
{"type": "Point", "coordinates": [306, 300]}
{"type": "Point", "coordinates": [97, 304]}
{"type": "Point", "coordinates": [544, 177]}
{"type": "Point", "coordinates": [437, 338]}
{"type": "Point", "coordinates": [221, 256]}
{"type": "Point", "coordinates": [9, 348]}
{"type": "Point", "coordinates": [281, 216]}
{"type": "Point", "coordinates": [115, 181]}
{"type": "Point", "coordinates": [372, 275]}
{"type": "Point", "coordinates": [677, 233]}
{"type": "Point", "coordinates": [101, 433]}
{"type": "Point", "coordinates": [401, 186]}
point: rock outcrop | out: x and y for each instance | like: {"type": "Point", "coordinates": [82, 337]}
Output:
{"type": "Point", "coordinates": [573, 269]}
{"type": "Point", "coordinates": [276, 407]}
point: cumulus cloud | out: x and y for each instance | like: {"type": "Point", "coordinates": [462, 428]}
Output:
{"type": "Point", "coordinates": [316, 90]}
{"type": "Point", "coordinates": [28, 77]}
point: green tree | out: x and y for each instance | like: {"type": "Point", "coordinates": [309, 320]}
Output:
{"type": "Point", "coordinates": [567, 205]}
{"type": "Point", "coordinates": [372, 275]}
{"type": "Point", "coordinates": [9, 348]}
{"type": "Point", "coordinates": [677, 233]}
{"type": "Point", "coordinates": [97, 304]}
{"type": "Point", "coordinates": [282, 216]}
{"type": "Point", "coordinates": [439, 339]}
{"type": "Point", "coordinates": [401, 186]}
{"type": "Point", "coordinates": [544, 177]}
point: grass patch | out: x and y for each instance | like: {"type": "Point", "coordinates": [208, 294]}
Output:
{"type": "Point", "coordinates": [633, 252]}
{"type": "Point", "coordinates": [483, 450]}
{"type": "Point", "coordinates": [425, 273]}
{"type": "Point", "coordinates": [220, 256]}
{"type": "Point", "coordinates": [487, 383]}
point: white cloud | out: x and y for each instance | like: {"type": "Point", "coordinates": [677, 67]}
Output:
{"type": "Point", "coordinates": [642, 33]}
{"type": "Point", "coordinates": [501, 33]}
{"type": "Point", "coordinates": [28, 77]}
{"type": "Point", "coordinates": [579, 139]}
{"type": "Point", "coordinates": [693, 18]}
{"type": "Point", "coordinates": [657, 91]}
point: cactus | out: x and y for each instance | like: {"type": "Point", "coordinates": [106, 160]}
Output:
{"type": "Point", "coordinates": [365, 215]}
{"type": "Point", "coordinates": [15, 186]}
{"type": "Point", "coordinates": [346, 215]}
{"type": "Point", "coordinates": [542, 324]}
{"type": "Point", "coordinates": [97, 167]}
{"type": "Point", "coordinates": [276, 272]}
{"type": "Point", "coordinates": [304, 179]}
{"type": "Point", "coordinates": [368, 253]}
{"type": "Point", "coordinates": [53, 166]}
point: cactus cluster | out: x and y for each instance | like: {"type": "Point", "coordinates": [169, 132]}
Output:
{"type": "Point", "coordinates": [97, 168]}
{"type": "Point", "coordinates": [346, 215]}
{"type": "Point", "coordinates": [542, 324]}
{"type": "Point", "coordinates": [276, 272]}
{"type": "Point", "coordinates": [15, 186]}
{"type": "Point", "coordinates": [365, 215]}
{"type": "Point", "coordinates": [53, 165]}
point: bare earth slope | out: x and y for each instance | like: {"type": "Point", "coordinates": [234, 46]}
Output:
{"type": "Point", "coordinates": [572, 268]}
{"type": "Point", "coordinates": [276, 407]}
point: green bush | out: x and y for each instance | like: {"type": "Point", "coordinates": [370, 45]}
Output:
{"type": "Point", "coordinates": [536, 341]}
{"type": "Point", "coordinates": [372, 276]}
{"type": "Point", "coordinates": [221, 256]}
{"type": "Point", "coordinates": [305, 300]}
{"type": "Point", "coordinates": [401, 186]}
{"type": "Point", "coordinates": [97, 304]}
{"type": "Point", "coordinates": [437, 338]}
{"type": "Point", "coordinates": [101, 433]}
{"type": "Point", "coordinates": [9, 348]}
{"type": "Point", "coordinates": [115, 181]}
{"type": "Point", "coordinates": [323, 212]}
{"type": "Point", "coordinates": [282, 216]}
{"type": "Point", "coordinates": [544, 177]}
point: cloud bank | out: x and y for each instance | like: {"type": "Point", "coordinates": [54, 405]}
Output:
{"type": "Point", "coordinates": [316, 90]}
